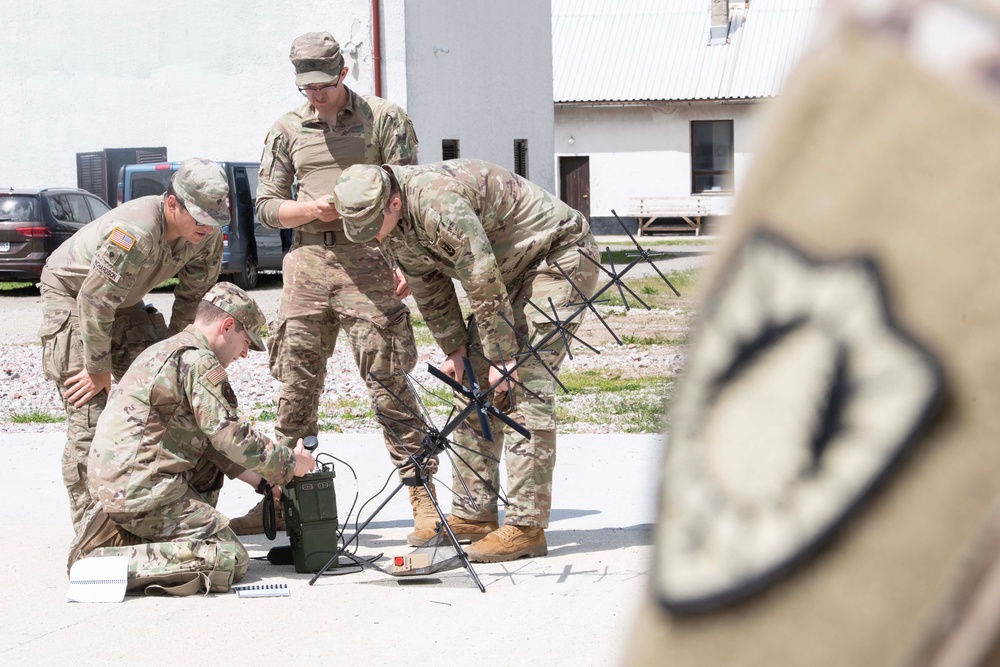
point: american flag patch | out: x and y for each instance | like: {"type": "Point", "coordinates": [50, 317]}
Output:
{"type": "Point", "coordinates": [216, 375]}
{"type": "Point", "coordinates": [121, 239]}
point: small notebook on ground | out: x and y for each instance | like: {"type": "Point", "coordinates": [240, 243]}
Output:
{"type": "Point", "coordinates": [262, 590]}
{"type": "Point", "coordinates": [98, 579]}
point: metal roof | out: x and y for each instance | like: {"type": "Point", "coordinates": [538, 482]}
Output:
{"type": "Point", "coordinates": [646, 50]}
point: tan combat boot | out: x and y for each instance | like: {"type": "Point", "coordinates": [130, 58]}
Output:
{"type": "Point", "coordinates": [252, 523]}
{"type": "Point", "coordinates": [509, 542]}
{"type": "Point", "coordinates": [425, 517]}
{"type": "Point", "coordinates": [470, 530]}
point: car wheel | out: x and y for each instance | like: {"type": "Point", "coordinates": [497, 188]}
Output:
{"type": "Point", "coordinates": [247, 278]}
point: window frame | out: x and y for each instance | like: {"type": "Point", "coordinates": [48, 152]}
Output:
{"type": "Point", "coordinates": [728, 175]}
{"type": "Point", "coordinates": [92, 203]}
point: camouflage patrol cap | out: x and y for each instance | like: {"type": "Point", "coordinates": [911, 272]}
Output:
{"type": "Point", "coordinates": [202, 186]}
{"type": "Point", "coordinates": [360, 195]}
{"type": "Point", "coordinates": [244, 309]}
{"type": "Point", "coordinates": [317, 59]}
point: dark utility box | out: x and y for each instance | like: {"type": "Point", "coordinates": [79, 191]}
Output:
{"type": "Point", "coordinates": [97, 171]}
{"type": "Point", "coordinates": [310, 504]}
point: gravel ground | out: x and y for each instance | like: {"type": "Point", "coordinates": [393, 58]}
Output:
{"type": "Point", "coordinates": [24, 388]}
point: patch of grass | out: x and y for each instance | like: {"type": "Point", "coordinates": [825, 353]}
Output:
{"type": "Point", "coordinates": [596, 381]}
{"type": "Point", "coordinates": [267, 415]}
{"type": "Point", "coordinates": [655, 339]}
{"type": "Point", "coordinates": [642, 413]}
{"type": "Point", "coordinates": [639, 410]}
{"type": "Point", "coordinates": [167, 285]}
{"type": "Point", "coordinates": [652, 290]}
{"type": "Point", "coordinates": [18, 289]}
{"type": "Point", "coordinates": [36, 417]}
{"type": "Point", "coordinates": [421, 334]}
{"type": "Point", "coordinates": [329, 427]}
{"type": "Point", "coordinates": [347, 408]}
{"type": "Point", "coordinates": [623, 258]}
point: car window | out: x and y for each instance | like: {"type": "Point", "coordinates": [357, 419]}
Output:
{"type": "Point", "coordinates": [147, 183]}
{"type": "Point", "coordinates": [97, 207]}
{"type": "Point", "coordinates": [254, 179]}
{"type": "Point", "coordinates": [69, 208]}
{"type": "Point", "coordinates": [19, 208]}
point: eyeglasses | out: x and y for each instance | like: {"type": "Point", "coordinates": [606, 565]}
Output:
{"type": "Point", "coordinates": [318, 89]}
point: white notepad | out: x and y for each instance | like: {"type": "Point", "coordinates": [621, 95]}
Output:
{"type": "Point", "coordinates": [98, 579]}
{"type": "Point", "coordinates": [262, 590]}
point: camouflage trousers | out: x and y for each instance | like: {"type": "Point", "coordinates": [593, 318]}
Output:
{"type": "Point", "coordinates": [180, 548]}
{"type": "Point", "coordinates": [344, 287]}
{"type": "Point", "coordinates": [134, 329]}
{"type": "Point", "coordinates": [530, 462]}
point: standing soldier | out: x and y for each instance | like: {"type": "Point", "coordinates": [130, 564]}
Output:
{"type": "Point", "coordinates": [505, 239]}
{"type": "Point", "coordinates": [162, 449]}
{"type": "Point", "coordinates": [330, 284]}
{"type": "Point", "coordinates": [94, 320]}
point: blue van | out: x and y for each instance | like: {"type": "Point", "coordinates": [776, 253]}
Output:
{"type": "Point", "coordinates": [247, 245]}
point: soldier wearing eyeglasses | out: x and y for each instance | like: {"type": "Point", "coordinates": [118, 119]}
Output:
{"type": "Point", "coordinates": [331, 284]}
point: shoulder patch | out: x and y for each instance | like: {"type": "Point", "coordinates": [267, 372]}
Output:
{"type": "Point", "coordinates": [217, 375]}
{"type": "Point", "coordinates": [122, 239]}
{"type": "Point", "coordinates": [229, 394]}
{"type": "Point", "coordinates": [800, 399]}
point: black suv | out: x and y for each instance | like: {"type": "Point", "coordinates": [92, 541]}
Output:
{"type": "Point", "coordinates": [33, 223]}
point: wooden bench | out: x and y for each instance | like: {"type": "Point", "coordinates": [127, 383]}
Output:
{"type": "Point", "coordinates": [660, 214]}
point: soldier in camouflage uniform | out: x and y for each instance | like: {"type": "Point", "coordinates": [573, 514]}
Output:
{"type": "Point", "coordinates": [162, 448]}
{"type": "Point", "coordinates": [501, 237]}
{"type": "Point", "coordinates": [329, 284]}
{"type": "Point", "coordinates": [94, 320]}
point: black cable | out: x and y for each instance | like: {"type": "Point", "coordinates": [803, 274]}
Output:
{"type": "Point", "coordinates": [347, 519]}
{"type": "Point", "coordinates": [269, 518]}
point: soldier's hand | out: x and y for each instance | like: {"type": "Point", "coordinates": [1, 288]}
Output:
{"type": "Point", "coordinates": [496, 376]}
{"type": "Point", "coordinates": [304, 461]}
{"type": "Point", "coordinates": [83, 386]}
{"type": "Point", "coordinates": [453, 366]}
{"type": "Point", "coordinates": [402, 289]}
{"type": "Point", "coordinates": [322, 209]}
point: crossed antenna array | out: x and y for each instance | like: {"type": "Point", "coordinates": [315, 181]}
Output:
{"type": "Point", "coordinates": [476, 399]}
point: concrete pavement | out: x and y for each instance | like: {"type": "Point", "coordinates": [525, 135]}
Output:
{"type": "Point", "coordinates": [573, 607]}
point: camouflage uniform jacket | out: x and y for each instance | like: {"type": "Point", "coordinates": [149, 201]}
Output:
{"type": "Point", "coordinates": [172, 408]}
{"type": "Point", "coordinates": [484, 226]}
{"type": "Point", "coordinates": [114, 261]}
{"type": "Point", "coordinates": [369, 130]}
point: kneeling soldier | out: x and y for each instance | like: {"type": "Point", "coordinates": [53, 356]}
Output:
{"type": "Point", "coordinates": [170, 434]}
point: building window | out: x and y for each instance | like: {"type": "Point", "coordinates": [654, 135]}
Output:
{"type": "Point", "coordinates": [449, 149]}
{"type": "Point", "coordinates": [521, 157]}
{"type": "Point", "coordinates": [711, 156]}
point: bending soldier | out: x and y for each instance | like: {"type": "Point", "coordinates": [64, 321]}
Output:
{"type": "Point", "coordinates": [170, 433]}
{"type": "Point", "coordinates": [94, 320]}
{"type": "Point", "coordinates": [502, 238]}
{"type": "Point", "coordinates": [329, 284]}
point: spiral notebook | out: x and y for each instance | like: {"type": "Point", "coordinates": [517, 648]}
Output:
{"type": "Point", "coordinates": [98, 579]}
{"type": "Point", "coordinates": [262, 590]}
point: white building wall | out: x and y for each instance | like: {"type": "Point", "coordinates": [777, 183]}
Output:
{"type": "Point", "coordinates": [481, 72]}
{"type": "Point", "coordinates": [202, 78]}
{"type": "Point", "coordinates": [208, 79]}
{"type": "Point", "coordinates": [645, 151]}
